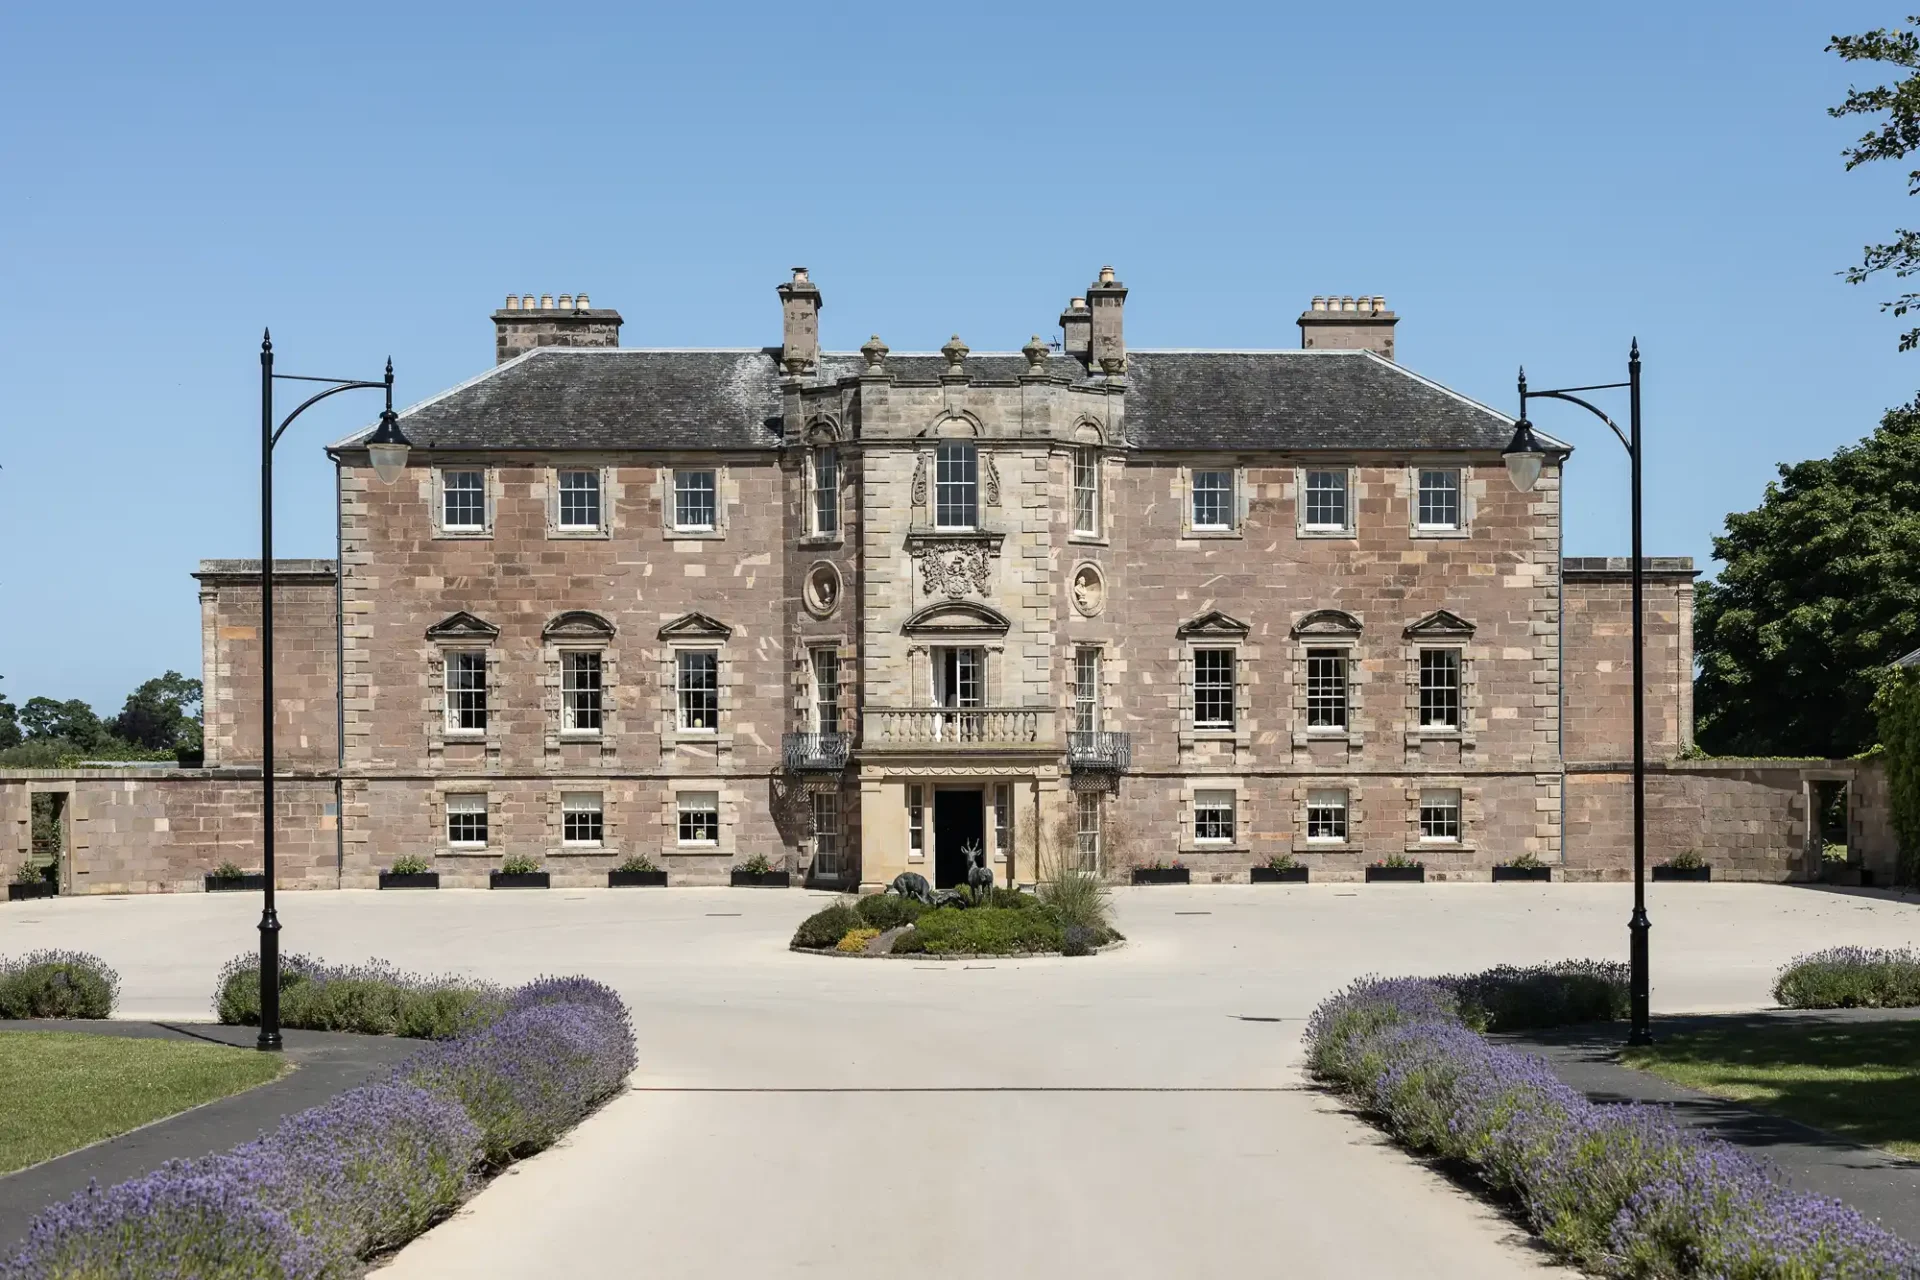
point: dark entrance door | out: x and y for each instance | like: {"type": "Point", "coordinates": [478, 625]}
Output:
{"type": "Point", "coordinates": [959, 819]}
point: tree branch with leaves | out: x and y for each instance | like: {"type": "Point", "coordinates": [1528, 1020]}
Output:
{"type": "Point", "coordinates": [1896, 137]}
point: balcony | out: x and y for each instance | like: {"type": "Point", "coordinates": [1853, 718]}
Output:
{"type": "Point", "coordinates": [1099, 752]}
{"type": "Point", "coordinates": [814, 752]}
{"type": "Point", "coordinates": [958, 729]}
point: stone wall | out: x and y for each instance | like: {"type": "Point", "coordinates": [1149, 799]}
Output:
{"type": "Point", "coordinates": [305, 667]}
{"type": "Point", "coordinates": [1599, 656]}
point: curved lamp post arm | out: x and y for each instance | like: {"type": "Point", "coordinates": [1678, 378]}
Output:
{"type": "Point", "coordinates": [312, 400]}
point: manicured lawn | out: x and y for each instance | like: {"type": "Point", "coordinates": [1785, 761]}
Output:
{"type": "Point", "coordinates": [1859, 1080]}
{"type": "Point", "coordinates": [65, 1089]}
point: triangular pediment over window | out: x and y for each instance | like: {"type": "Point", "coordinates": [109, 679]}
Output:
{"type": "Point", "coordinates": [462, 626]}
{"type": "Point", "coordinates": [1327, 622]}
{"type": "Point", "coordinates": [1214, 623]}
{"type": "Point", "coordinates": [1440, 624]}
{"type": "Point", "coordinates": [695, 626]}
{"type": "Point", "coordinates": [578, 624]}
{"type": "Point", "coordinates": [957, 618]}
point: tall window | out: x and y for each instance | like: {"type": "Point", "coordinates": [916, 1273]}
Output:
{"type": "Point", "coordinates": [1326, 501]}
{"type": "Point", "coordinates": [582, 823]}
{"type": "Point", "coordinates": [826, 490]}
{"type": "Point", "coordinates": [580, 692]}
{"type": "Point", "coordinates": [463, 501]}
{"type": "Point", "coordinates": [916, 820]}
{"type": "Point", "coordinates": [1003, 818]}
{"type": "Point", "coordinates": [1440, 815]}
{"type": "Point", "coordinates": [956, 677]}
{"type": "Point", "coordinates": [1213, 816]}
{"type": "Point", "coordinates": [1326, 689]}
{"type": "Point", "coordinates": [697, 672]}
{"type": "Point", "coordinates": [1086, 489]}
{"type": "Point", "coordinates": [699, 817]}
{"type": "Point", "coordinates": [826, 690]}
{"type": "Point", "coordinates": [1213, 499]}
{"type": "Point", "coordinates": [1439, 498]}
{"type": "Point", "coordinates": [694, 502]}
{"type": "Point", "coordinates": [467, 820]}
{"type": "Point", "coordinates": [826, 833]}
{"type": "Point", "coordinates": [1087, 828]}
{"type": "Point", "coordinates": [1213, 688]}
{"type": "Point", "coordinates": [956, 487]}
{"type": "Point", "coordinates": [1327, 815]}
{"type": "Point", "coordinates": [1086, 690]}
{"type": "Point", "coordinates": [1440, 688]}
{"type": "Point", "coordinates": [466, 692]}
{"type": "Point", "coordinates": [579, 499]}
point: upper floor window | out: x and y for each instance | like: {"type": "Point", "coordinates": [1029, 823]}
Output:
{"type": "Point", "coordinates": [697, 682]}
{"type": "Point", "coordinates": [826, 690]}
{"type": "Point", "coordinates": [826, 490]}
{"type": "Point", "coordinates": [467, 692]}
{"type": "Point", "coordinates": [1440, 688]}
{"type": "Point", "coordinates": [957, 677]}
{"type": "Point", "coordinates": [1439, 498]}
{"type": "Point", "coordinates": [1212, 500]}
{"type": "Point", "coordinates": [580, 692]}
{"type": "Point", "coordinates": [582, 820]}
{"type": "Point", "coordinates": [1326, 502]}
{"type": "Point", "coordinates": [463, 501]}
{"type": "Point", "coordinates": [1086, 690]}
{"type": "Point", "coordinates": [956, 487]}
{"type": "Point", "coordinates": [1213, 688]}
{"type": "Point", "coordinates": [1327, 689]}
{"type": "Point", "coordinates": [1086, 490]}
{"type": "Point", "coordinates": [579, 500]}
{"type": "Point", "coordinates": [695, 500]}
{"type": "Point", "coordinates": [467, 820]}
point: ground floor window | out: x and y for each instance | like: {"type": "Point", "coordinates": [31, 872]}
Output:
{"type": "Point", "coordinates": [1088, 829]}
{"type": "Point", "coordinates": [826, 833]}
{"type": "Point", "coordinates": [699, 817]}
{"type": "Point", "coordinates": [1213, 816]}
{"type": "Point", "coordinates": [581, 820]}
{"type": "Point", "coordinates": [916, 820]}
{"type": "Point", "coordinates": [467, 821]}
{"type": "Point", "coordinates": [1439, 815]}
{"type": "Point", "coordinates": [1327, 815]}
{"type": "Point", "coordinates": [1003, 819]}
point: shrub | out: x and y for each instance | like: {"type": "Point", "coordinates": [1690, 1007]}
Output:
{"type": "Point", "coordinates": [373, 998]}
{"type": "Point", "coordinates": [1851, 978]}
{"type": "Point", "coordinates": [1690, 860]}
{"type": "Point", "coordinates": [1510, 998]}
{"type": "Point", "coordinates": [57, 984]}
{"type": "Point", "coordinates": [885, 911]}
{"type": "Point", "coordinates": [637, 862]}
{"type": "Point", "coordinates": [1077, 899]}
{"type": "Point", "coordinates": [27, 873]}
{"type": "Point", "coordinates": [409, 864]}
{"type": "Point", "coordinates": [985, 931]}
{"type": "Point", "coordinates": [757, 865]}
{"type": "Point", "coordinates": [228, 871]}
{"type": "Point", "coordinates": [826, 927]}
{"type": "Point", "coordinates": [1078, 940]}
{"type": "Point", "coordinates": [1397, 860]}
{"type": "Point", "coordinates": [520, 864]}
{"type": "Point", "coordinates": [856, 940]}
{"type": "Point", "coordinates": [1526, 861]}
{"type": "Point", "coordinates": [1283, 862]}
{"type": "Point", "coordinates": [530, 1076]}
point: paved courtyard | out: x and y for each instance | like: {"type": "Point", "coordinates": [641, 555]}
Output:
{"type": "Point", "coordinates": [1140, 1113]}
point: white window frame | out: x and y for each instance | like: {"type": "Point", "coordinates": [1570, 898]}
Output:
{"type": "Point", "coordinates": [1088, 828]}
{"type": "Point", "coordinates": [442, 491]}
{"type": "Point", "coordinates": [1316, 653]}
{"type": "Point", "coordinates": [1086, 689]}
{"type": "Point", "coordinates": [1330, 800]}
{"type": "Point", "coordinates": [825, 819]}
{"type": "Point", "coordinates": [682, 689]}
{"type": "Point", "coordinates": [682, 474]}
{"type": "Point", "coordinates": [574, 697]}
{"type": "Point", "coordinates": [466, 803]}
{"type": "Point", "coordinates": [457, 659]}
{"type": "Point", "coordinates": [953, 691]}
{"type": "Point", "coordinates": [961, 457]}
{"type": "Point", "coordinates": [1457, 661]}
{"type": "Point", "coordinates": [823, 490]}
{"type": "Point", "coordinates": [598, 523]}
{"type": "Point", "coordinates": [1233, 689]}
{"type": "Point", "coordinates": [590, 807]}
{"type": "Point", "coordinates": [690, 805]}
{"type": "Point", "coordinates": [1435, 804]}
{"type": "Point", "coordinates": [916, 821]}
{"type": "Point", "coordinates": [825, 658]}
{"type": "Point", "coordinates": [1307, 525]}
{"type": "Point", "coordinates": [1214, 801]}
{"type": "Point", "coordinates": [1228, 502]}
{"type": "Point", "coordinates": [1459, 498]}
{"type": "Point", "coordinates": [1003, 819]}
{"type": "Point", "coordinates": [1085, 467]}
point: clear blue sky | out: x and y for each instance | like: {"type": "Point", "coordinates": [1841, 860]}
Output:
{"type": "Point", "coordinates": [1526, 183]}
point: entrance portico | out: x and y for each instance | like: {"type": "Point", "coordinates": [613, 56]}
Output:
{"type": "Point", "coordinates": [919, 818]}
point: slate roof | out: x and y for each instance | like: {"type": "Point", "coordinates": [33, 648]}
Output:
{"type": "Point", "coordinates": [623, 398]}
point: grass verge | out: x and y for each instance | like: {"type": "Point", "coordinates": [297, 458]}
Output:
{"type": "Point", "coordinates": [66, 1089]}
{"type": "Point", "coordinates": [1858, 1080]}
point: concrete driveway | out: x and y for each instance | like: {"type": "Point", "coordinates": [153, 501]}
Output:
{"type": "Point", "coordinates": [1139, 1113]}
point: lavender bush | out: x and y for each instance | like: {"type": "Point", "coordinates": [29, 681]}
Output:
{"type": "Point", "coordinates": [57, 984]}
{"type": "Point", "coordinates": [373, 998]}
{"type": "Point", "coordinates": [1521, 998]}
{"type": "Point", "coordinates": [1851, 978]}
{"type": "Point", "coordinates": [1621, 1190]}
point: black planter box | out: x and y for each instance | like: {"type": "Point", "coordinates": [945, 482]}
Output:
{"type": "Point", "coordinates": [1522, 873]}
{"type": "Point", "coordinates": [235, 884]}
{"type": "Point", "coordinates": [761, 879]}
{"type": "Point", "coordinates": [1279, 875]}
{"type": "Point", "coordinates": [18, 891]}
{"type": "Point", "coordinates": [1160, 875]}
{"type": "Point", "coordinates": [516, 879]}
{"type": "Point", "coordinates": [409, 879]}
{"type": "Point", "coordinates": [1683, 873]}
{"type": "Point", "coordinates": [1397, 875]}
{"type": "Point", "coordinates": [636, 879]}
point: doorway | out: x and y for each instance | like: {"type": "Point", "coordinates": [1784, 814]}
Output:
{"type": "Point", "coordinates": [959, 819]}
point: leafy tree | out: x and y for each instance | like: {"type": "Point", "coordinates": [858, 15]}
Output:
{"type": "Point", "coordinates": [1893, 139]}
{"type": "Point", "coordinates": [73, 720]}
{"type": "Point", "coordinates": [162, 714]}
{"type": "Point", "coordinates": [9, 723]}
{"type": "Point", "coordinates": [1820, 592]}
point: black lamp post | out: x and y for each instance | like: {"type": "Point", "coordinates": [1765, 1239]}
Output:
{"type": "Point", "coordinates": [387, 448]}
{"type": "Point", "coordinates": [1525, 455]}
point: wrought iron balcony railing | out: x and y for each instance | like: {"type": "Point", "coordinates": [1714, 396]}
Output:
{"type": "Point", "coordinates": [957, 727]}
{"type": "Point", "coordinates": [814, 752]}
{"type": "Point", "coordinates": [1099, 750]}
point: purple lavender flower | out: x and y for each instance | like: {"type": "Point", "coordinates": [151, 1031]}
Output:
{"type": "Point", "coordinates": [1851, 978]}
{"type": "Point", "coordinates": [57, 984]}
{"type": "Point", "coordinates": [371, 998]}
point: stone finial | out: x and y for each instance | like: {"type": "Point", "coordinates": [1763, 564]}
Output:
{"type": "Point", "coordinates": [956, 353]}
{"type": "Point", "coordinates": [1036, 352]}
{"type": "Point", "coordinates": [874, 352]}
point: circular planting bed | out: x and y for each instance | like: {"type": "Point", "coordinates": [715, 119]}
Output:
{"type": "Point", "coordinates": [1008, 922]}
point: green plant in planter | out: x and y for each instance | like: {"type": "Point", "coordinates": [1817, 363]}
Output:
{"type": "Point", "coordinates": [1527, 861]}
{"type": "Point", "coordinates": [1688, 861]}
{"type": "Point", "coordinates": [27, 874]}
{"type": "Point", "coordinates": [520, 864]}
{"type": "Point", "coordinates": [1397, 860]}
{"type": "Point", "coordinates": [637, 862]}
{"type": "Point", "coordinates": [1283, 862]}
{"type": "Point", "coordinates": [409, 864]}
{"type": "Point", "coordinates": [757, 865]}
{"type": "Point", "coordinates": [228, 871]}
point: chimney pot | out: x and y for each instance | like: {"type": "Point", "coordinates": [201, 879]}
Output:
{"type": "Point", "coordinates": [524, 325]}
{"type": "Point", "coordinates": [1365, 304]}
{"type": "Point", "coordinates": [1106, 275]}
{"type": "Point", "coordinates": [1379, 303]}
{"type": "Point", "coordinates": [526, 302]}
{"type": "Point", "coordinates": [546, 302]}
{"type": "Point", "coordinates": [581, 302]}
{"type": "Point", "coordinates": [566, 302]}
{"type": "Point", "coordinates": [1348, 322]}
{"type": "Point", "coordinates": [1318, 304]}
{"type": "Point", "coordinates": [513, 302]}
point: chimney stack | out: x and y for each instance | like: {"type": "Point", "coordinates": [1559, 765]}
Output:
{"type": "Point", "coordinates": [1076, 322]}
{"type": "Point", "coordinates": [522, 325]}
{"type": "Point", "coordinates": [800, 305]}
{"type": "Point", "coordinates": [1348, 323]}
{"type": "Point", "coordinates": [1105, 297]}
